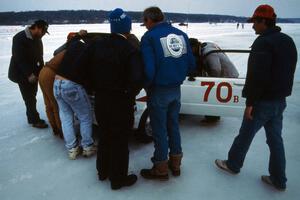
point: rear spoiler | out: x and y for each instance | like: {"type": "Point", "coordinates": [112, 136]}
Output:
{"type": "Point", "coordinates": [227, 51]}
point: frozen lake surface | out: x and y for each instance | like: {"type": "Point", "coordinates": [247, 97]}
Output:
{"type": "Point", "coordinates": [34, 164]}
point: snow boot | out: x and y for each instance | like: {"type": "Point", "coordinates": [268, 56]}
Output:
{"type": "Point", "coordinates": [174, 164]}
{"type": "Point", "coordinates": [159, 171]}
{"type": "Point", "coordinates": [89, 151]}
{"type": "Point", "coordinates": [74, 152]}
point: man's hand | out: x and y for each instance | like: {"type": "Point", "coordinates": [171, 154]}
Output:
{"type": "Point", "coordinates": [248, 112]}
{"type": "Point", "coordinates": [32, 78]}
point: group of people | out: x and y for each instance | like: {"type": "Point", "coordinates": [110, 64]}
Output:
{"type": "Point", "coordinates": [238, 25]}
{"type": "Point", "coordinates": [116, 67]}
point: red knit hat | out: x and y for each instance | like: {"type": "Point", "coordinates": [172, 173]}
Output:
{"type": "Point", "coordinates": [263, 11]}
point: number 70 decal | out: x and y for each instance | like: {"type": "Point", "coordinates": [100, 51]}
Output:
{"type": "Point", "coordinates": [219, 86]}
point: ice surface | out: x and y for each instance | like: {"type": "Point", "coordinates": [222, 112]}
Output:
{"type": "Point", "coordinates": [34, 164]}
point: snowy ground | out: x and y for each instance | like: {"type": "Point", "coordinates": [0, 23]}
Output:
{"type": "Point", "coordinates": [34, 164]}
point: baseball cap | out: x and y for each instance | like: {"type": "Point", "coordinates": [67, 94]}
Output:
{"type": "Point", "coordinates": [263, 11]}
{"type": "Point", "coordinates": [42, 24]}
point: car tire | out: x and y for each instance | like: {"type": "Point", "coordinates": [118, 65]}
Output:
{"type": "Point", "coordinates": [144, 131]}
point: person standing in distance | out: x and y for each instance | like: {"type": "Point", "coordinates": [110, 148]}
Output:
{"type": "Point", "coordinates": [167, 58]}
{"type": "Point", "coordinates": [25, 65]}
{"type": "Point", "coordinates": [271, 66]}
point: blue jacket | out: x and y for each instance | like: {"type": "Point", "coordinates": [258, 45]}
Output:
{"type": "Point", "coordinates": [167, 56]}
{"type": "Point", "coordinates": [271, 67]}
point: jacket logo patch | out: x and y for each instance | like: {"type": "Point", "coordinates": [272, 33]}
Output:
{"type": "Point", "coordinates": [173, 45]}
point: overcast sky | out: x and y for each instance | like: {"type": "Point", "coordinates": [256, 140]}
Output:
{"type": "Point", "coordinates": [283, 8]}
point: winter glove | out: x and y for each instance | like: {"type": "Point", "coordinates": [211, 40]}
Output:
{"type": "Point", "coordinates": [32, 78]}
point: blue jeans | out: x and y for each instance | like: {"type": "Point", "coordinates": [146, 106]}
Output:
{"type": "Point", "coordinates": [164, 106]}
{"type": "Point", "coordinates": [73, 99]}
{"type": "Point", "coordinates": [267, 114]}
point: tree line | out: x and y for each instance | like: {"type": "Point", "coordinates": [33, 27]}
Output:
{"type": "Point", "coordinates": [100, 16]}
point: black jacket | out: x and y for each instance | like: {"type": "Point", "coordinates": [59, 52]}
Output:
{"type": "Point", "coordinates": [271, 66]}
{"type": "Point", "coordinates": [69, 67]}
{"type": "Point", "coordinates": [27, 57]}
{"type": "Point", "coordinates": [114, 65]}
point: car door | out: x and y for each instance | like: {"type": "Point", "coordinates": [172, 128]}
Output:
{"type": "Point", "coordinates": [212, 96]}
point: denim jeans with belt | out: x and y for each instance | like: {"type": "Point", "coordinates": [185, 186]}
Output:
{"type": "Point", "coordinates": [267, 114]}
{"type": "Point", "coordinates": [164, 106]}
{"type": "Point", "coordinates": [73, 99]}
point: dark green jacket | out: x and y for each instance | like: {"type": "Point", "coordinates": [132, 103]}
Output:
{"type": "Point", "coordinates": [271, 67]}
{"type": "Point", "coordinates": [27, 57]}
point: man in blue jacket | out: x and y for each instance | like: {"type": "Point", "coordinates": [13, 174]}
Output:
{"type": "Point", "coordinates": [270, 75]}
{"type": "Point", "coordinates": [167, 58]}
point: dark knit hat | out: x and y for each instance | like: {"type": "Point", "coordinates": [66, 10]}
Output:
{"type": "Point", "coordinates": [119, 21]}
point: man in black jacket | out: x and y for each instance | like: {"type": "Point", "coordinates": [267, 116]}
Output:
{"type": "Point", "coordinates": [269, 81]}
{"type": "Point", "coordinates": [116, 72]}
{"type": "Point", "coordinates": [25, 65]}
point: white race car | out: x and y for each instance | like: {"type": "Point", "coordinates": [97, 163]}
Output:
{"type": "Point", "coordinates": [207, 96]}
{"type": "Point", "coordinates": [202, 96]}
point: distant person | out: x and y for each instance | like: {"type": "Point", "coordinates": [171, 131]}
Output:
{"type": "Point", "coordinates": [46, 81]}
{"type": "Point", "coordinates": [269, 80]}
{"type": "Point", "coordinates": [71, 96]}
{"type": "Point", "coordinates": [237, 25]}
{"type": "Point", "coordinates": [167, 58]}
{"type": "Point", "coordinates": [243, 25]}
{"type": "Point", "coordinates": [25, 65]}
{"type": "Point", "coordinates": [116, 73]}
{"type": "Point", "coordinates": [211, 64]}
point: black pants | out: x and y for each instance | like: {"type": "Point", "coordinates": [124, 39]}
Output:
{"type": "Point", "coordinates": [29, 91]}
{"type": "Point", "coordinates": [114, 113]}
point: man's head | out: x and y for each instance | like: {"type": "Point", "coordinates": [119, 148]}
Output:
{"type": "Point", "coordinates": [119, 22]}
{"type": "Point", "coordinates": [39, 28]}
{"type": "Point", "coordinates": [264, 17]}
{"type": "Point", "coordinates": [152, 16]}
{"type": "Point", "coordinates": [195, 45]}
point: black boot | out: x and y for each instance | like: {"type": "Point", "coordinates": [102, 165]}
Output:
{"type": "Point", "coordinates": [40, 124]}
{"type": "Point", "coordinates": [127, 181]}
{"type": "Point", "coordinates": [102, 177]}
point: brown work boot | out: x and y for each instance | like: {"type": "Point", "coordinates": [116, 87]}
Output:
{"type": "Point", "coordinates": [174, 164]}
{"type": "Point", "coordinates": [159, 171]}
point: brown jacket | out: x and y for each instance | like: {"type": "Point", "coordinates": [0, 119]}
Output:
{"type": "Point", "coordinates": [55, 61]}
